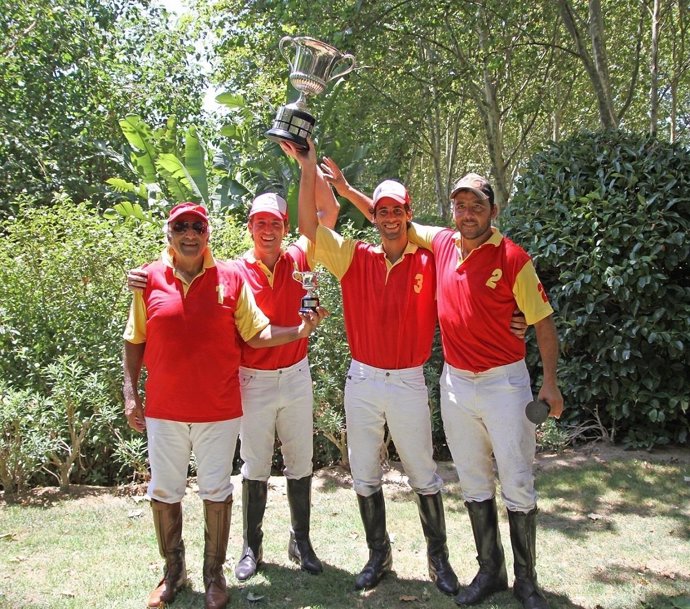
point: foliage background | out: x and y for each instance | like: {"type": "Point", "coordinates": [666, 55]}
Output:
{"type": "Point", "coordinates": [607, 217]}
{"type": "Point", "coordinates": [103, 127]}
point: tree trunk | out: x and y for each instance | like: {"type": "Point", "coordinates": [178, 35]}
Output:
{"type": "Point", "coordinates": [597, 68]}
{"type": "Point", "coordinates": [491, 115]}
{"type": "Point", "coordinates": [654, 70]}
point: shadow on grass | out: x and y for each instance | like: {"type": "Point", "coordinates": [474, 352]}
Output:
{"type": "Point", "coordinates": [641, 489]}
{"type": "Point", "coordinates": [620, 574]}
{"type": "Point", "coordinates": [281, 587]}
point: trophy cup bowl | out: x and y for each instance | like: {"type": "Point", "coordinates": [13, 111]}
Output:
{"type": "Point", "coordinates": [313, 64]}
{"type": "Point", "coordinates": [310, 301]}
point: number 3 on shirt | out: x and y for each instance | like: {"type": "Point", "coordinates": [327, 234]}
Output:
{"type": "Point", "coordinates": [418, 280]}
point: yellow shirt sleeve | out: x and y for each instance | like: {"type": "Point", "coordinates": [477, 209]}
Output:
{"type": "Point", "coordinates": [135, 330]}
{"type": "Point", "coordinates": [530, 295]}
{"type": "Point", "coordinates": [422, 235]}
{"type": "Point", "coordinates": [309, 248]}
{"type": "Point", "coordinates": [249, 318]}
{"type": "Point", "coordinates": [334, 251]}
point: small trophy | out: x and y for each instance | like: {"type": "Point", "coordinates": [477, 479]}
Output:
{"type": "Point", "coordinates": [315, 65]}
{"type": "Point", "coordinates": [310, 300]}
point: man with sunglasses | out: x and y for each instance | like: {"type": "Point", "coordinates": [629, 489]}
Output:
{"type": "Point", "coordinates": [187, 327]}
{"type": "Point", "coordinates": [275, 382]}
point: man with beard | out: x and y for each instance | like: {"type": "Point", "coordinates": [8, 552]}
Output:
{"type": "Point", "coordinates": [482, 277]}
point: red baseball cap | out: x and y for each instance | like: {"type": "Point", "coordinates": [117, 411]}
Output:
{"type": "Point", "coordinates": [188, 208]}
{"type": "Point", "coordinates": [390, 189]}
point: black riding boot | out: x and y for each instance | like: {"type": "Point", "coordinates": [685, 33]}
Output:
{"type": "Point", "coordinates": [523, 529]}
{"type": "Point", "coordinates": [492, 576]}
{"type": "Point", "coordinates": [373, 512]}
{"type": "Point", "coordinates": [253, 507]}
{"type": "Point", "coordinates": [300, 550]}
{"type": "Point", "coordinates": [434, 526]}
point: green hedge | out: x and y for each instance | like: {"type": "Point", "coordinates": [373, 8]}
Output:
{"type": "Point", "coordinates": [606, 217]}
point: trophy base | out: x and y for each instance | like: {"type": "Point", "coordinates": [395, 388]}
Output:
{"type": "Point", "coordinates": [307, 310]}
{"type": "Point", "coordinates": [293, 126]}
{"type": "Point", "coordinates": [309, 305]}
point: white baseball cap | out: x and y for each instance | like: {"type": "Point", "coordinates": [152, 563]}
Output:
{"type": "Point", "coordinates": [390, 189]}
{"type": "Point", "coordinates": [271, 203]}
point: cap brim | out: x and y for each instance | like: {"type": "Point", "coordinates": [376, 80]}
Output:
{"type": "Point", "coordinates": [275, 213]}
{"type": "Point", "coordinates": [394, 198]}
{"type": "Point", "coordinates": [480, 193]}
{"type": "Point", "coordinates": [188, 212]}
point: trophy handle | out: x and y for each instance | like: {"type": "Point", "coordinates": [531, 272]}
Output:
{"type": "Point", "coordinates": [287, 40]}
{"type": "Point", "coordinates": [348, 58]}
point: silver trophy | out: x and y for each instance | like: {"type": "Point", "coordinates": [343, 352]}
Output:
{"type": "Point", "coordinates": [314, 65]}
{"type": "Point", "coordinates": [310, 301]}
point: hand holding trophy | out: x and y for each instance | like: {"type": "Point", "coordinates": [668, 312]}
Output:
{"type": "Point", "coordinates": [315, 64]}
{"type": "Point", "coordinates": [310, 301]}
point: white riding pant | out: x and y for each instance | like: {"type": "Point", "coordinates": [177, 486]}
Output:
{"type": "Point", "coordinates": [484, 415]}
{"type": "Point", "coordinates": [277, 401]}
{"type": "Point", "coordinates": [374, 397]}
{"type": "Point", "coordinates": [170, 446]}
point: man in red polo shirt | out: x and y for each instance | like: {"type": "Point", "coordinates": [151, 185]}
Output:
{"type": "Point", "coordinates": [186, 327]}
{"type": "Point", "coordinates": [275, 383]}
{"type": "Point", "coordinates": [482, 277]}
{"type": "Point", "coordinates": [277, 396]}
{"type": "Point", "coordinates": [390, 316]}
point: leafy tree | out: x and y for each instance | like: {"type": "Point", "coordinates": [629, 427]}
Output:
{"type": "Point", "coordinates": [67, 71]}
{"type": "Point", "coordinates": [64, 307]}
{"type": "Point", "coordinates": [606, 217]}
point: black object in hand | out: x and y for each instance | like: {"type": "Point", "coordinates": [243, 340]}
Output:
{"type": "Point", "coordinates": [537, 411]}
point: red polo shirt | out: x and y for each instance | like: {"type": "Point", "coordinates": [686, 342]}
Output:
{"type": "Point", "coordinates": [193, 334]}
{"type": "Point", "coordinates": [279, 296]}
{"type": "Point", "coordinates": [389, 309]}
{"type": "Point", "coordinates": [477, 296]}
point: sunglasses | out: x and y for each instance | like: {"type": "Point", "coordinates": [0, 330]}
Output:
{"type": "Point", "coordinates": [182, 227]}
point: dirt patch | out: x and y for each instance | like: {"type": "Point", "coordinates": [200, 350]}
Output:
{"type": "Point", "coordinates": [336, 477]}
{"type": "Point", "coordinates": [602, 452]}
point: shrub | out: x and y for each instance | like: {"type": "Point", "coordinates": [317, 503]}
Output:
{"type": "Point", "coordinates": [606, 217]}
{"type": "Point", "coordinates": [23, 445]}
{"type": "Point", "coordinates": [64, 306]}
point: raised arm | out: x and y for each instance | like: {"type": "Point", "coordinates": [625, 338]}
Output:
{"type": "Point", "coordinates": [327, 206]}
{"type": "Point", "coordinates": [307, 213]}
{"type": "Point", "coordinates": [334, 176]}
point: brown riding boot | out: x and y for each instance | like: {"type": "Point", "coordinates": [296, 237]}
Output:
{"type": "Point", "coordinates": [167, 521]}
{"type": "Point", "coordinates": [217, 532]}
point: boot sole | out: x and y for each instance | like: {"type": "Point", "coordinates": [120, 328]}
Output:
{"type": "Point", "coordinates": [484, 596]}
{"type": "Point", "coordinates": [298, 561]}
{"type": "Point", "coordinates": [376, 583]}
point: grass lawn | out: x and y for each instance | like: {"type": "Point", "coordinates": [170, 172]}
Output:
{"type": "Point", "coordinates": [614, 533]}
